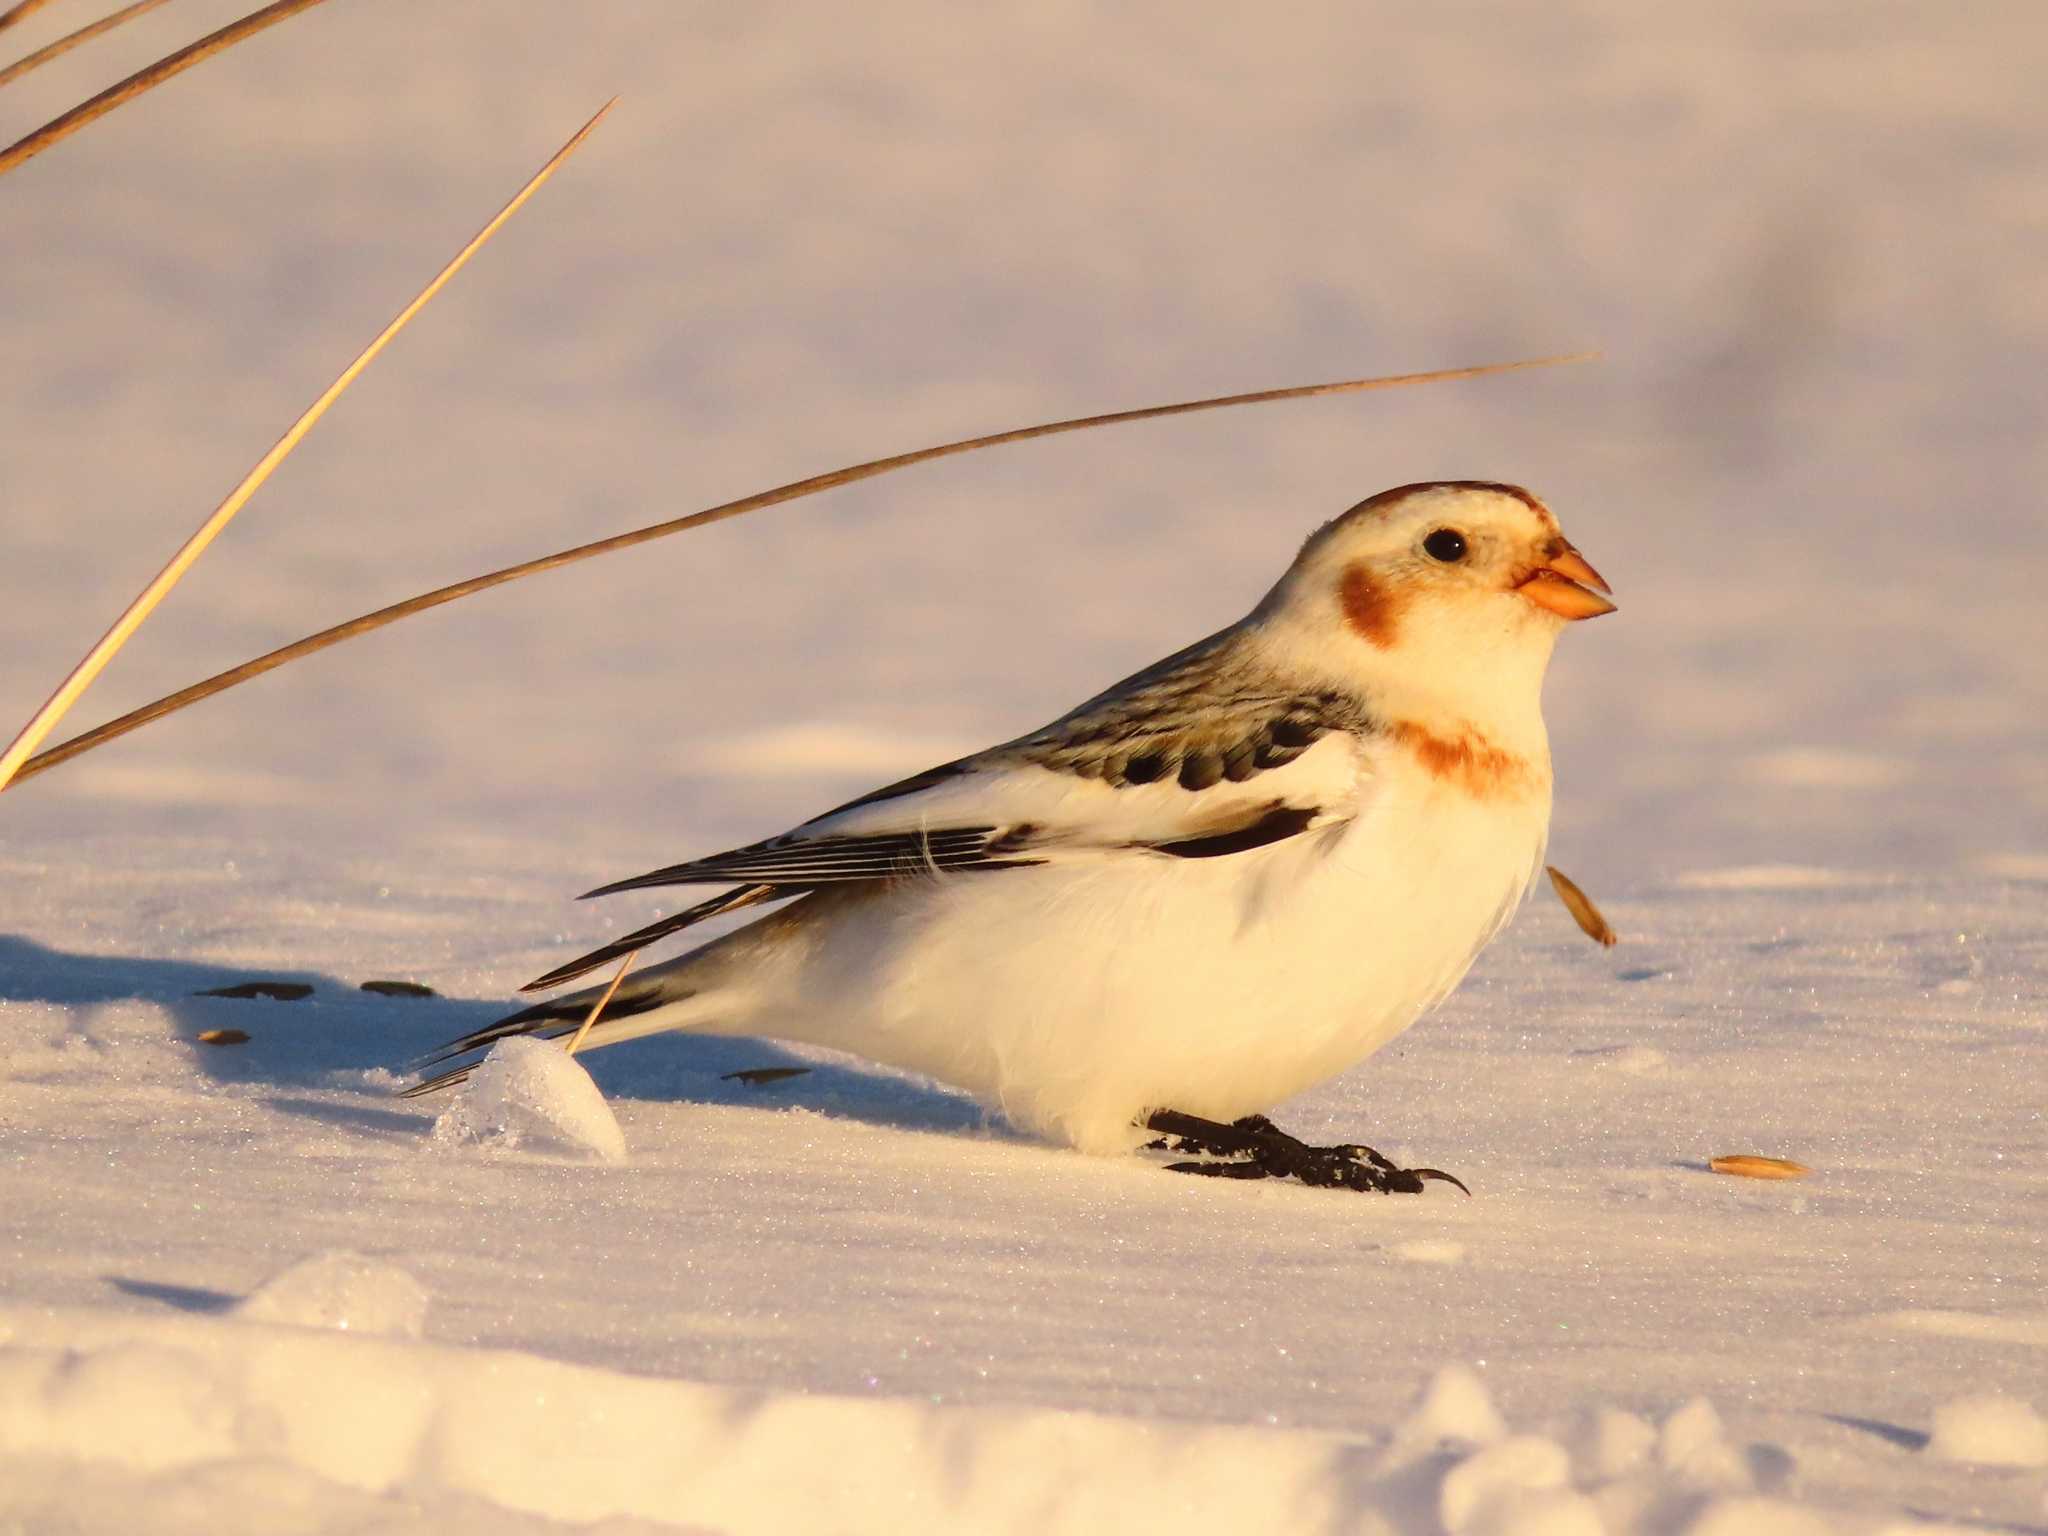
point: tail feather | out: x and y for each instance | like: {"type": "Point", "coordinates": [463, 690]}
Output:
{"type": "Point", "coordinates": [457, 1075]}
{"type": "Point", "coordinates": [642, 1006]}
{"type": "Point", "coordinates": [726, 901]}
{"type": "Point", "coordinates": [556, 1018]}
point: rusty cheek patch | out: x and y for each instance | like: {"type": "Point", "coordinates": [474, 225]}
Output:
{"type": "Point", "coordinates": [1370, 608]}
{"type": "Point", "coordinates": [1468, 762]}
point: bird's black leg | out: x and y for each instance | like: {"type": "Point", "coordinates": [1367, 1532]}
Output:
{"type": "Point", "coordinates": [1256, 1148]}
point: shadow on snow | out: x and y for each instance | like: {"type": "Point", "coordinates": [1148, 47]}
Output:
{"type": "Point", "coordinates": [340, 1029]}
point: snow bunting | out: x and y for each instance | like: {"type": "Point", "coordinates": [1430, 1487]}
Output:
{"type": "Point", "coordinates": [1227, 878]}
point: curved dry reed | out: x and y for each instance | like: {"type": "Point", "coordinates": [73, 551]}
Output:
{"type": "Point", "coordinates": [143, 79]}
{"type": "Point", "coordinates": [363, 624]}
{"type": "Point", "coordinates": [84, 34]}
{"type": "Point", "coordinates": [20, 12]}
{"type": "Point", "coordinates": [81, 677]}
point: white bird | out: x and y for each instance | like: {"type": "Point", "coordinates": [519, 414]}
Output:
{"type": "Point", "coordinates": [1229, 877]}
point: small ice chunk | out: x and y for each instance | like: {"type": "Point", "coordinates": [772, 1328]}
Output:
{"type": "Point", "coordinates": [532, 1090]}
{"type": "Point", "coordinates": [1455, 1407]}
{"type": "Point", "coordinates": [1992, 1431]}
{"type": "Point", "coordinates": [341, 1290]}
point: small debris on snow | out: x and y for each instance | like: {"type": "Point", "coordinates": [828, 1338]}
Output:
{"type": "Point", "coordinates": [341, 1290]}
{"type": "Point", "coordinates": [1747, 1165]}
{"type": "Point", "coordinates": [1992, 1431]}
{"type": "Point", "coordinates": [223, 1037]}
{"type": "Point", "coordinates": [276, 991]}
{"type": "Point", "coordinates": [761, 1077]}
{"type": "Point", "coordinates": [532, 1090]}
{"type": "Point", "coordinates": [1589, 918]}
{"type": "Point", "coordinates": [399, 989]}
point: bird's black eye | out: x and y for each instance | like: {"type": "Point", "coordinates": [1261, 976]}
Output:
{"type": "Point", "coordinates": [1445, 544]}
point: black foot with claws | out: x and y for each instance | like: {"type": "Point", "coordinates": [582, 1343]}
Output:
{"type": "Point", "coordinates": [1256, 1148]}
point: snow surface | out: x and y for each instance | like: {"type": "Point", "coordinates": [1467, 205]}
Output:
{"type": "Point", "coordinates": [1995, 1431]}
{"type": "Point", "coordinates": [1802, 770]}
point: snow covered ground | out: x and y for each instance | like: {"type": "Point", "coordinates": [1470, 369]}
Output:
{"type": "Point", "coordinates": [1805, 769]}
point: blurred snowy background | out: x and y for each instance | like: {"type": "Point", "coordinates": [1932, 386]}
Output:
{"type": "Point", "coordinates": [1810, 238]}
{"type": "Point", "coordinates": [1806, 766]}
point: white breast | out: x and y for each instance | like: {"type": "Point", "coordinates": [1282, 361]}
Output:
{"type": "Point", "coordinates": [1077, 998]}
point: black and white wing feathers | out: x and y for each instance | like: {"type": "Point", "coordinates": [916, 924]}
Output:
{"type": "Point", "coordinates": [1199, 756]}
{"type": "Point", "coordinates": [800, 861]}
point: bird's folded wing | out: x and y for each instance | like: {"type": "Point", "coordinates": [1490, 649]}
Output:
{"type": "Point", "coordinates": [1197, 757]}
{"type": "Point", "coordinates": [1009, 809]}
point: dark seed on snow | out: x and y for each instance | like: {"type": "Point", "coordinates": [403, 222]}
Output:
{"type": "Point", "coordinates": [279, 991]}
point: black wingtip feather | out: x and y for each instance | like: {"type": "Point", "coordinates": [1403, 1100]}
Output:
{"type": "Point", "coordinates": [456, 1075]}
{"type": "Point", "coordinates": [637, 883]}
{"type": "Point", "coordinates": [548, 1021]}
{"type": "Point", "coordinates": [640, 938]}
{"type": "Point", "coordinates": [525, 1022]}
{"type": "Point", "coordinates": [1276, 823]}
{"type": "Point", "coordinates": [801, 861]}
{"type": "Point", "coordinates": [583, 965]}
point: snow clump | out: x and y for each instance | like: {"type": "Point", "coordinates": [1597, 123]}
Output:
{"type": "Point", "coordinates": [1520, 1486]}
{"type": "Point", "coordinates": [341, 1290]}
{"type": "Point", "coordinates": [532, 1090]}
{"type": "Point", "coordinates": [1452, 1407]}
{"type": "Point", "coordinates": [1991, 1431]}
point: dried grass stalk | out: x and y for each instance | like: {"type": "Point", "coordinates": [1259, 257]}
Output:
{"type": "Point", "coordinates": [596, 1008]}
{"type": "Point", "coordinates": [363, 624]}
{"type": "Point", "coordinates": [84, 34]}
{"type": "Point", "coordinates": [143, 79]}
{"type": "Point", "coordinates": [81, 677]}
{"type": "Point", "coordinates": [20, 12]}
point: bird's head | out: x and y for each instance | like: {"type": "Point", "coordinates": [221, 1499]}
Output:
{"type": "Point", "coordinates": [1460, 584]}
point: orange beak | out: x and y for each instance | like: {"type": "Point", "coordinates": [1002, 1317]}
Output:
{"type": "Point", "coordinates": [1563, 584]}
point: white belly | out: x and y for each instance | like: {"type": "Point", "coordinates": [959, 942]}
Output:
{"type": "Point", "coordinates": [1076, 999]}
